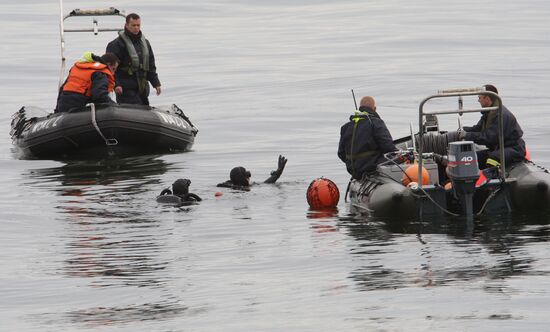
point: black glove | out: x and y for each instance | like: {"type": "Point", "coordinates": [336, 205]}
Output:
{"type": "Point", "coordinates": [277, 173]}
{"type": "Point", "coordinates": [441, 160]}
{"type": "Point", "coordinates": [281, 163]}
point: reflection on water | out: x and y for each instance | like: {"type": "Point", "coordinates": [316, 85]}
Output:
{"type": "Point", "coordinates": [325, 220]}
{"type": "Point", "coordinates": [111, 238]}
{"type": "Point", "coordinates": [444, 253]}
{"type": "Point", "coordinates": [103, 172]}
{"type": "Point", "coordinates": [262, 78]}
{"type": "Point", "coordinates": [101, 317]}
{"type": "Point", "coordinates": [108, 316]}
{"type": "Point", "coordinates": [108, 238]}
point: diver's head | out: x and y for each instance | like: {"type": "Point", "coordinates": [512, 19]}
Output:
{"type": "Point", "coordinates": [240, 176]}
{"type": "Point", "coordinates": [181, 186]}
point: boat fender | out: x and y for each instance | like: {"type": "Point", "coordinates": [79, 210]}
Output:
{"type": "Point", "coordinates": [411, 175]}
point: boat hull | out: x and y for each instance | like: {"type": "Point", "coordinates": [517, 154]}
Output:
{"type": "Point", "coordinates": [122, 130]}
{"type": "Point", "coordinates": [531, 190]}
{"type": "Point", "coordinates": [525, 189]}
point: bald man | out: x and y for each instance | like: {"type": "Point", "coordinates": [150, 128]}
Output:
{"type": "Point", "coordinates": [364, 140]}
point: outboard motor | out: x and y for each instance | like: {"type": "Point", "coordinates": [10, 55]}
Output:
{"type": "Point", "coordinates": [464, 172]}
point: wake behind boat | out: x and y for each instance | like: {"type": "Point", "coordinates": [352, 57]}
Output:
{"type": "Point", "coordinates": [99, 130]}
{"type": "Point", "coordinates": [415, 183]}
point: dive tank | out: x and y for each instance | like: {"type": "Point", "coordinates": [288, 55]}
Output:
{"type": "Point", "coordinates": [463, 171]}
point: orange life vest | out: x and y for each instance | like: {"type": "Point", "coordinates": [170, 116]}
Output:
{"type": "Point", "coordinates": [80, 77]}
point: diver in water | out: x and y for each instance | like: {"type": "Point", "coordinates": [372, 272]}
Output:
{"type": "Point", "coordinates": [239, 177]}
{"type": "Point", "coordinates": [179, 195]}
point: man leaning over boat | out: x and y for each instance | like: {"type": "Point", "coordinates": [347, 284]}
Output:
{"type": "Point", "coordinates": [90, 80]}
{"type": "Point", "coordinates": [364, 140]}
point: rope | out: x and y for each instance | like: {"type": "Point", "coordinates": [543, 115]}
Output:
{"type": "Point", "coordinates": [435, 203]}
{"type": "Point", "coordinates": [436, 142]}
{"type": "Point", "coordinates": [487, 201]}
{"type": "Point", "coordinates": [108, 141]}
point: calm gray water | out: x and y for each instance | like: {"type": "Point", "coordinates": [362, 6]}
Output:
{"type": "Point", "coordinates": [84, 246]}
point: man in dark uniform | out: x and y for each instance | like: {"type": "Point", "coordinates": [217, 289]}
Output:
{"type": "Point", "coordinates": [485, 132]}
{"type": "Point", "coordinates": [364, 140]}
{"type": "Point", "coordinates": [137, 64]}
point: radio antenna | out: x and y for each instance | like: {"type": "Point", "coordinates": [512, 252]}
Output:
{"type": "Point", "coordinates": [354, 100]}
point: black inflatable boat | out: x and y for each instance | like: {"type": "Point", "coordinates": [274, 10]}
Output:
{"type": "Point", "coordinates": [414, 183]}
{"type": "Point", "coordinates": [102, 131]}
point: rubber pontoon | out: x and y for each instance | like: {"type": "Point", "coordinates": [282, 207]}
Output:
{"type": "Point", "coordinates": [109, 130]}
{"type": "Point", "coordinates": [455, 189]}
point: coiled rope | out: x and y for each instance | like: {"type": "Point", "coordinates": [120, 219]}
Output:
{"type": "Point", "coordinates": [437, 142]}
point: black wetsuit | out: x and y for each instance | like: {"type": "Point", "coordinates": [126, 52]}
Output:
{"type": "Point", "coordinates": [167, 197]}
{"type": "Point", "coordinates": [229, 184]}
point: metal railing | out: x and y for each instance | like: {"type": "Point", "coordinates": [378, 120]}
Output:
{"type": "Point", "coordinates": [95, 27]}
{"type": "Point", "coordinates": [459, 93]}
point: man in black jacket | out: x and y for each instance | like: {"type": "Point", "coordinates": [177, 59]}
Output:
{"type": "Point", "coordinates": [137, 64]}
{"type": "Point", "coordinates": [364, 140]}
{"type": "Point", "coordinates": [485, 132]}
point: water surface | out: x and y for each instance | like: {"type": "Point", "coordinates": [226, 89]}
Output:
{"type": "Point", "coordinates": [85, 246]}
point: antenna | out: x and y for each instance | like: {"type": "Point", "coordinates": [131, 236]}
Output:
{"type": "Point", "coordinates": [354, 100]}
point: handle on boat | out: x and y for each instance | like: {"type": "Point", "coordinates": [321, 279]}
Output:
{"type": "Point", "coordinates": [460, 90]}
{"type": "Point", "coordinates": [95, 28]}
{"type": "Point", "coordinates": [108, 141]}
{"type": "Point", "coordinates": [95, 12]}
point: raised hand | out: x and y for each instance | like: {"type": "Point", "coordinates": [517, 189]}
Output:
{"type": "Point", "coordinates": [282, 163]}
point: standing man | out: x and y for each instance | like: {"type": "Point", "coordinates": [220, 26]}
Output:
{"type": "Point", "coordinates": [90, 80]}
{"type": "Point", "coordinates": [485, 132]}
{"type": "Point", "coordinates": [364, 140]}
{"type": "Point", "coordinates": [137, 64]}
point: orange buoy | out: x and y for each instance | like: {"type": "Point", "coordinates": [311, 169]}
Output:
{"type": "Point", "coordinates": [322, 193]}
{"type": "Point", "coordinates": [218, 193]}
{"type": "Point", "coordinates": [411, 175]}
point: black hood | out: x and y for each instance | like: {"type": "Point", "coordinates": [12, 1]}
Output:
{"type": "Point", "coordinates": [239, 176]}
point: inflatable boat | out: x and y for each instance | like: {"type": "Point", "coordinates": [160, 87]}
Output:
{"type": "Point", "coordinates": [435, 174]}
{"type": "Point", "coordinates": [102, 130]}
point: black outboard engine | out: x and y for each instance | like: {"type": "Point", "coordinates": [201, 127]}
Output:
{"type": "Point", "coordinates": [464, 172]}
